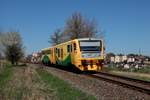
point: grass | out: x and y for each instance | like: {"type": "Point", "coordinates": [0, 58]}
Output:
{"type": "Point", "coordinates": [139, 77]}
{"type": "Point", "coordinates": [9, 91]}
{"type": "Point", "coordinates": [61, 89]}
{"type": "Point", "coordinates": [5, 75]}
{"type": "Point", "coordinates": [137, 73]}
{"type": "Point", "coordinates": [143, 78]}
{"type": "Point", "coordinates": [143, 70]}
{"type": "Point", "coordinates": [29, 83]}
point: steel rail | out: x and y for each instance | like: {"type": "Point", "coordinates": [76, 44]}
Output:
{"type": "Point", "coordinates": [125, 78]}
{"type": "Point", "coordinates": [121, 83]}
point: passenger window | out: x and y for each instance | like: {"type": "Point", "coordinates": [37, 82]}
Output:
{"type": "Point", "coordinates": [74, 45]}
{"type": "Point", "coordinates": [55, 50]}
{"type": "Point", "coordinates": [58, 52]}
{"type": "Point", "coordinates": [68, 48]}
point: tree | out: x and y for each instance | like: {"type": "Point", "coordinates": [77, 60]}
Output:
{"type": "Point", "coordinates": [74, 26]}
{"type": "Point", "coordinates": [108, 56]}
{"type": "Point", "coordinates": [56, 37]}
{"type": "Point", "coordinates": [13, 47]}
{"type": "Point", "coordinates": [13, 53]}
{"type": "Point", "coordinates": [90, 29]}
{"type": "Point", "coordinates": [0, 42]}
{"type": "Point", "coordinates": [77, 26]}
{"type": "Point", "coordinates": [120, 54]}
{"type": "Point", "coordinates": [28, 58]}
{"type": "Point", "coordinates": [0, 55]}
{"type": "Point", "coordinates": [132, 55]}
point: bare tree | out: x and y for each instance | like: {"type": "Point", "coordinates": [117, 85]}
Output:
{"type": "Point", "coordinates": [56, 37]}
{"type": "Point", "coordinates": [1, 46]}
{"type": "Point", "coordinates": [90, 28]}
{"type": "Point", "coordinates": [13, 53]}
{"type": "Point", "coordinates": [74, 26]}
{"type": "Point", "coordinates": [0, 55]}
{"type": "Point", "coordinates": [28, 58]}
{"type": "Point", "coordinates": [77, 26]}
{"type": "Point", "coordinates": [11, 38]}
{"type": "Point", "coordinates": [13, 47]}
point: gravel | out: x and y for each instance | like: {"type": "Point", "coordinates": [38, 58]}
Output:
{"type": "Point", "coordinates": [102, 90]}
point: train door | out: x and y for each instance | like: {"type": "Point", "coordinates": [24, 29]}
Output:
{"type": "Point", "coordinates": [61, 50]}
{"type": "Point", "coordinates": [52, 56]}
{"type": "Point", "coordinates": [73, 53]}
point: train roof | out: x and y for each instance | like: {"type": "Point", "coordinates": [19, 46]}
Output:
{"type": "Point", "coordinates": [79, 39]}
{"type": "Point", "coordinates": [45, 49]}
{"type": "Point", "coordinates": [88, 39]}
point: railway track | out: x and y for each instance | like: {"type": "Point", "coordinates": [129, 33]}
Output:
{"type": "Point", "coordinates": [139, 85]}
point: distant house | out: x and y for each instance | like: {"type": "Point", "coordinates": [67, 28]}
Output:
{"type": "Point", "coordinates": [118, 58]}
{"type": "Point", "coordinates": [35, 57]}
{"type": "Point", "coordinates": [124, 58]}
{"type": "Point", "coordinates": [131, 59]}
{"type": "Point", "coordinates": [112, 59]}
{"type": "Point", "coordinates": [128, 59]}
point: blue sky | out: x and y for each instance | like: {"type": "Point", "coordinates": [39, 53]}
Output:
{"type": "Point", "coordinates": [126, 22]}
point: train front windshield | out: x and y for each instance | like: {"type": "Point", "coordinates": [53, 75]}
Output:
{"type": "Point", "coordinates": [90, 49]}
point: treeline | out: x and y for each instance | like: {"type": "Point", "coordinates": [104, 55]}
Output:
{"type": "Point", "coordinates": [76, 26]}
{"type": "Point", "coordinates": [11, 46]}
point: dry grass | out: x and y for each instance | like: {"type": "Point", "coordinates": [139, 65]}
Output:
{"type": "Point", "coordinates": [25, 84]}
{"type": "Point", "coordinates": [33, 83]}
{"type": "Point", "coordinates": [141, 76]}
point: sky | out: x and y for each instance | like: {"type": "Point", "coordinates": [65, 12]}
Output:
{"type": "Point", "coordinates": [126, 23]}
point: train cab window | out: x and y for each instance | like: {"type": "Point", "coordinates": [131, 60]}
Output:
{"type": "Point", "coordinates": [74, 46]}
{"type": "Point", "coordinates": [58, 52]}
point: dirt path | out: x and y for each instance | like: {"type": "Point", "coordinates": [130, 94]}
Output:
{"type": "Point", "coordinates": [26, 84]}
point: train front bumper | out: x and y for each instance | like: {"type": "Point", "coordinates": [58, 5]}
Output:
{"type": "Point", "coordinates": [91, 65]}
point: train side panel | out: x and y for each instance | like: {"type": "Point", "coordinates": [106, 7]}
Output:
{"type": "Point", "coordinates": [61, 54]}
{"type": "Point", "coordinates": [46, 56]}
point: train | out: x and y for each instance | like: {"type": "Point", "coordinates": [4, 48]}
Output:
{"type": "Point", "coordinates": [85, 54]}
